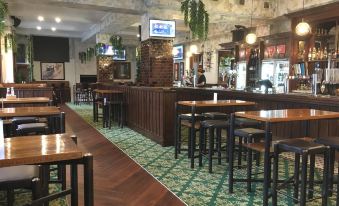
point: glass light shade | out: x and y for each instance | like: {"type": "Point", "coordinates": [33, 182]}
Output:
{"type": "Point", "coordinates": [303, 28]}
{"type": "Point", "coordinates": [251, 38]}
{"type": "Point", "coordinates": [175, 51]}
{"type": "Point", "coordinates": [194, 49]}
{"type": "Point", "coordinates": [188, 54]}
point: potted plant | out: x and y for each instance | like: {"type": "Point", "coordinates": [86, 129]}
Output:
{"type": "Point", "coordinates": [116, 42]}
{"type": "Point", "coordinates": [196, 18]}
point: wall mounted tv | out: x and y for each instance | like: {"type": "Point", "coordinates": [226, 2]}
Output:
{"type": "Point", "coordinates": [50, 49]}
{"type": "Point", "coordinates": [161, 28]}
{"type": "Point", "coordinates": [117, 55]}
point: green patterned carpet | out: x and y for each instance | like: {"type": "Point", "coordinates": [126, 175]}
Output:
{"type": "Point", "coordinates": [194, 186]}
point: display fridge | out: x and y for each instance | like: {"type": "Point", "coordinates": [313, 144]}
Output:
{"type": "Point", "coordinates": [241, 75]}
{"type": "Point", "coordinates": [275, 70]}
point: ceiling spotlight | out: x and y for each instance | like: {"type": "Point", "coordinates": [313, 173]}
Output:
{"type": "Point", "coordinates": [138, 35]}
{"type": "Point", "coordinates": [57, 19]}
{"type": "Point", "coordinates": [38, 28]}
{"type": "Point", "coordinates": [41, 18]}
{"type": "Point", "coordinates": [53, 29]}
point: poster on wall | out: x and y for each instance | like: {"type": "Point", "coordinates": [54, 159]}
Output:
{"type": "Point", "coordinates": [52, 71]}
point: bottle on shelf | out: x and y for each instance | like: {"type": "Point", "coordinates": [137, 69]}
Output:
{"type": "Point", "coordinates": [325, 53]}
{"type": "Point", "coordinates": [310, 54]}
{"type": "Point", "coordinates": [314, 54]}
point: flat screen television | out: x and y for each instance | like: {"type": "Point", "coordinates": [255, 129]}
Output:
{"type": "Point", "coordinates": [178, 53]}
{"type": "Point", "coordinates": [50, 49]}
{"type": "Point", "coordinates": [117, 55]}
{"type": "Point", "coordinates": [161, 28]}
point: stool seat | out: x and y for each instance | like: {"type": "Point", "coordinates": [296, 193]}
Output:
{"type": "Point", "coordinates": [244, 122]}
{"type": "Point", "coordinates": [219, 124]}
{"type": "Point", "coordinates": [188, 116]}
{"type": "Point", "coordinates": [189, 124]}
{"type": "Point", "coordinates": [24, 120]}
{"type": "Point", "coordinates": [329, 141]}
{"type": "Point", "coordinates": [250, 132]}
{"type": "Point", "coordinates": [257, 146]}
{"type": "Point", "coordinates": [300, 146]}
{"type": "Point", "coordinates": [215, 115]}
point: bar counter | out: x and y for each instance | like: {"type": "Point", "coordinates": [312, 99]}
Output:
{"type": "Point", "coordinates": [150, 110]}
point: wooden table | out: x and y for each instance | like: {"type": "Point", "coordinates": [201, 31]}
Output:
{"type": "Point", "coordinates": [107, 91]}
{"type": "Point", "coordinates": [269, 117]}
{"type": "Point", "coordinates": [49, 112]}
{"type": "Point", "coordinates": [50, 149]}
{"type": "Point", "coordinates": [26, 100]}
{"type": "Point", "coordinates": [206, 103]}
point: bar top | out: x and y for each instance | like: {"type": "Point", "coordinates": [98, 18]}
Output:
{"type": "Point", "coordinates": [286, 115]}
{"type": "Point", "coordinates": [209, 103]}
{"type": "Point", "coordinates": [25, 100]}
{"type": "Point", "coordinates": [37, 149]}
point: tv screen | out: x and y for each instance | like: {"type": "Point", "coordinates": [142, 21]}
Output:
{"type": "Point", "coordinates": [117, 55]}
{"type": "Point", "coordinates": [178, 52]}
{"type": "Point", "coordinates": [161, 28]}
{"type": "Point", "coordinates": [50, 49]}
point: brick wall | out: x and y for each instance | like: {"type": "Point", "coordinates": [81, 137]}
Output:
{"type": "Point", "coordinates": [156, 62]}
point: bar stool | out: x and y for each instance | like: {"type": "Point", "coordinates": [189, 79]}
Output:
{"type": "Point", "coordinates": [186, 120]}
{"type": "Point", "coordinates": [211, 125]}
{"type": "Point", "coordinates": [300, 147]}
{"type": "Point", "coordinates": [116, 109]}
{"type": "Point", "coordinates": [249, 135]}
{"type": "Point", "coordinates": [333, 143]}
{"type": "Point", "coordinates": [215, 116]}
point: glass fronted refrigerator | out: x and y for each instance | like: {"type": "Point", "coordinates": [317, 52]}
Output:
{"type": "Point", "coordinates": [241, 75]}
{"type": "Point", "coordinates": [275, 70]}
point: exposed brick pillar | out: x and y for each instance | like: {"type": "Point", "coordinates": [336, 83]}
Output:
{"type": "Point", "coordinates": [156, 62]}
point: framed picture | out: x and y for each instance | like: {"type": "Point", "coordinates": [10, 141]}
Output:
{"type": "Point", "coordinates": [52, 71]}
{"type": "Point", "coordinates": [178, 52]}
{"type": "Point", "coordinates": [122, 70]}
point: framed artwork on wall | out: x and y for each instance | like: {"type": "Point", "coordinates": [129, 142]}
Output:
{"type": "Point", "coordinates": [52, 71]}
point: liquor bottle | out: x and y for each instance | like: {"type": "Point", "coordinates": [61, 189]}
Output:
{"type": "Point", "coordinates": [310, 54]}
{"type": "Point", "coordinates": [314, 53]}
{"type": "Point", "coordinates": [325, 53]}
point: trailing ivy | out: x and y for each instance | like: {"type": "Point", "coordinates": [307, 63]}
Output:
{"type": "Point", "coordinates": [3, 15]}
{"type": "Point", "coordinates": [82, 57]}
{"type": "Point", "coordinates": [90, 53]}
{"type": "Point", "coordinates": [196, 18]}
{"type": "Point", "coordinates": [116, 42]}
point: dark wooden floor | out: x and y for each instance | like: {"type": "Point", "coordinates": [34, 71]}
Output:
{"type": "Point", "coordinates": [118, 180]}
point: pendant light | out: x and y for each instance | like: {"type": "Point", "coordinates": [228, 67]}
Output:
{"type": "Point", "coordinates": [251, 37]}
{"type": "Point", "coordinates": [303, 28]}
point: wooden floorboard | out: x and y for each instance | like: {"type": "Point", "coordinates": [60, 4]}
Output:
{"type": "Point", "coordinates": [118, 180]}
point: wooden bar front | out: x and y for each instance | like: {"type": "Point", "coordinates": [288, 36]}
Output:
{"type": "Point", "coordinates": [150, 110]}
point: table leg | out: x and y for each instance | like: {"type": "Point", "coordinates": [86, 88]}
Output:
{"type": "Point", "coordinates": [88, 180]}
{"type": "Point", "coordinates": [176, 128]}
{"type": "Point", "coordinates": [230, 142]}
{"type": "Point", "coordinates": [267, 165]}
{"type": "Point", "coordinates": [193, 137]}
{"type": "Point", "coordinates": [74, 184]}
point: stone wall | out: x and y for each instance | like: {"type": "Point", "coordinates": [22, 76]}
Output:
{"type": "Point", "coordinates": [156, 62]}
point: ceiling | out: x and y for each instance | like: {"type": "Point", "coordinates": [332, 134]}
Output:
{"type": "Point", "coordinates": [84, 18]}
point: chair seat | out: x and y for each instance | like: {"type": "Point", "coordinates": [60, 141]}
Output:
{"type": "Point", "coordinates": [188, 116]}
{"type": "Point", "coordinates": [24, 120]}
{"type": "Point", "coordinates": [300, 146]}
{"type": "Point", "coordinates": [215, 115]}
{"type": "Point", "coordinates": [244, 122]}
{"type": "Point", "coordinates": [219, 124]}
{"type": "Point", "coordinates": [250, 132]}
{"type": "Point", "coordinates": [189, 124]}
{"type": "Point", "coordinates": [32, 126]}
{"type": "Point", "coordinates": [329, 141]}
{"type": "Point", "coordinates": [18, 172]}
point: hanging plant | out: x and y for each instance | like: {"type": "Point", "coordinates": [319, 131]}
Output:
{"type": "Point", "coordinates": [29, 57]}
{"type": "Point", "coordinates": [82, 57]}
{"type": "Point", "coordinates": [3, 15]}
{"type": "Point", "coordinates": [100, 49]}
{"type": "Point", "coordinates": [116, 42]}
{"type": "Point", "coordinates": [196, 18]}
{"type": "Point", "coordinates": [9, 40]}
{"type": "Point", "coordinates": [90, 53]}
